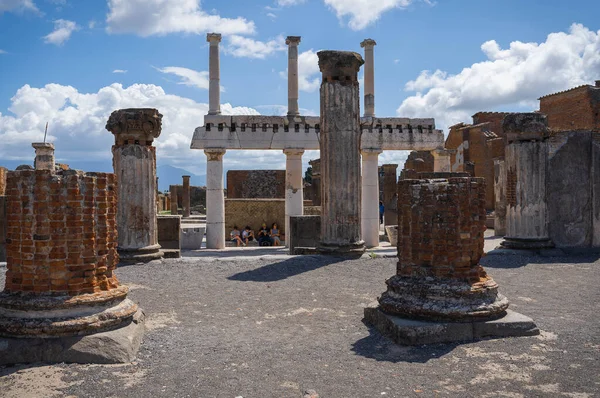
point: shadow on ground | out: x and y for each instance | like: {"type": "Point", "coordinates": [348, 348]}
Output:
{"type": "Point", "coordinates": [380, 348]}
{"type": "Point", "coordinates": [508, 261]}
{"type": "Point", "coordinates": [285, 269]}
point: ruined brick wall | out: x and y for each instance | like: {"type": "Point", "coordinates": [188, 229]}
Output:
{"type": "Point", "coordinates": [2, 181]}
{"type": "Point", "coordinates": [493, 118]}
{"type": "Point", "coordinates": [441, 227]}
{"type": "Point", "coordinates": [388, 188]}
{"type": "Point", "coordinates": [61, 232]}
{"type": "Point", "coordinates": [575, 109]}
{"type": "Point", "coordinates": [2, 214]}
{"type": "Point", "coordinates": [255, 184]}
{"type": "Point", "coordinates": [419, 161]}
{"type": "Point", "coordinates": [254, 212]}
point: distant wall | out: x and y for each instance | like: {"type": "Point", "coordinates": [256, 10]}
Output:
{"type": "Point", "coordinates": [255, 184]}
{"type": "Point", "coordinates": [254, 212]}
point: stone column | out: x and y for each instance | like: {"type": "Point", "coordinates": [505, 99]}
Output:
{"type": "Point", "coordinates": [215, 199]}
{"type": "Point", "coordinates": [173, 194]}
{"type": "Point", "coordinates": [294, 193]}
{"type": "Point", "coordinates": [292, 42]}
{"type": "Point", "coordinates": [134, 162]}
{"type": "Point", "coordinates": [44, 156]}
{"type": "Point", "coordinates": [214, 85]}
{"type": "Point", "coordinates": [390, 194]}
{"type": "Point", "coordinates": [500, 195]}
{"type": "Point", "coordinates": [340, 153]}
{"type": "Point", "coordinates": [368, 45]}
{"type": "Point", "coordinates": [526, 159]}
{"type": "Point", "coordinates": [441, 160]}
{"type": "Point", "coordinates": [369, 217]}
{"type": "Point", "coordinates": [186, 196]}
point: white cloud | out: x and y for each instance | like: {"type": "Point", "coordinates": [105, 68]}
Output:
{"type": "Point", "coordinates": [119, 71]}
{"type": "Point", "coordinates": [287, 3]}
{"type": "Point", "coordinates": [61, 33]}
{"type": "Point", "coordinates": [77, 120]}
{"type": "Point", "coordinates": [362, 13]}
{"type": "Point", "coordinates": [18, 6]}
{"type": "Point", "coordinates": [308, 67]}
{"type": "Point", "coordinates": [189, 77]}
{"type": "Point", "coordinates": [509, 79]}
{"type": "Point", "coordinates": [271, 15]}
{"type": "Point", "coordinates": [161, 17]}
{"type": "Point", "coordinates": [2, 52]}
{"type": "Point", "coordinates": [239, 46]}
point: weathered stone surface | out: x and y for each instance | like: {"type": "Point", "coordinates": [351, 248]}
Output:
{"type": "Point", "coordinates": [44, 156]}
{"type": "Point", "coordinates": [390, 193]}
{"type": "Point", "coordinates": [186, 196]}
{"type": "Point", "coordinates": [134, 162]}
{"type": "Point", "coordinates": [109, 347]}
{"type": "Point", "coordinates": [169, 229]}
{"type": "Point", "coordinates": [304, 233]}
{"type": "Point", "coordinates": [406, 331]}
{"type": "Point", "coordinates": [254, 212]}
{"type": "Point", "coordinates": [191, 237]}
{"type": "Point", "coordinates": [2, 228]}
{"type": "Point", "coordinates": [500, 195]}
{"type": "Point", "coordinates": [340, 154]}
{"type": "Point", "coordinates": [255, 184]}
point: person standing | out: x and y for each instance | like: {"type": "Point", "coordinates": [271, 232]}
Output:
{"type": "Point", "coordinates": [381, 211]}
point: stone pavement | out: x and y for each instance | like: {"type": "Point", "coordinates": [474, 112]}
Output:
{"type": "Point", "coordinates": [271, 325]}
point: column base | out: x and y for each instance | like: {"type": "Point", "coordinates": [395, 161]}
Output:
{"type": "Point", "coordinates": [115, 346]}
{"type": "Point", "coordinates": [406, 331]}
{"type": "Point", "coordinates": [442, 299]}
{"type": "Point", "coordinates": [526, 243]}
{"type": "Point", "coordinates": [353, 250]}
{"type": "Point", "coordinates": [141, 255]}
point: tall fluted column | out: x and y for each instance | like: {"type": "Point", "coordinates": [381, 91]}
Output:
{"type": "Point", "coordinates": [526, 159]}
{"type": "Point", "coordinates": [215, 199]}
{"type": "Point", "coordinates": [186, 196]}
{"type": "Point", "coordinates": [368, 45]}
{"type": "Point", "coordinates": [214, 73]}
{"type": "Point", "coordinates": [340, 153]}
{"type": "Point", "coordinates": [370, 197]}
{"type": "Point", "coordinates": [294, 193]}
{"type": "Point", "coordinates": [44, 156]}
{"type": "Point", "coordinates": [292, 42]}
{"type": "Point", "coordinates": [134, 162]}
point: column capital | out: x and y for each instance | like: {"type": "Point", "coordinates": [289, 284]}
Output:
{"type": "Point", "coordinates": [292, 40]}
{"type": "Point", "coordinates": [371, 151]}
{"type": "Point", "coordinates": [339, 64]}
{"type": "Point", "coordinates": [213, 38]}
{"type": "Point", "coordinates": [135, 125]}
{"type": "Point", "coordinates": [214, 153]}
{"type": "Point", "coordinates": [368, 43]}
{"type": "Point", "coordinates": [293, 152]}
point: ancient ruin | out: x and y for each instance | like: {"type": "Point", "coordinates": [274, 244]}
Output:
{"type": "Point", "coordinates": [134, 162]}
{"type": "Point", "coordinates": [439, 280]}
{"type": "Point", "coordinates": [186, 196]}
{"type": "Point", "coordinates": [62, 301]}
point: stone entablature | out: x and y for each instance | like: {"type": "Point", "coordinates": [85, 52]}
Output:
{"type": "Point", "coordinates": [303, 132]}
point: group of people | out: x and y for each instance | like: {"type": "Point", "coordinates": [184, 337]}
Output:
{"type": "Point", "coordinates": [264, 237]}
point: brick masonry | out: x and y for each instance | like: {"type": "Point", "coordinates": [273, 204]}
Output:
{"type": "Point", "coordinates": [248, 184]}
{"type": "Point", "coordinates": [574, 109]}
{"type": "Point", "coordinates": [254, 212]}
{"type": "Point", "coordinates": [61, 232]}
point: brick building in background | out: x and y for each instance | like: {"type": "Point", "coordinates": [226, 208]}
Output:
{"type": "Point", "coordinates": [574, 109]}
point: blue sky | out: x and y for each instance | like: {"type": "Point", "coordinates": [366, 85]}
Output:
{"type": "Point", "coordinates": [58, 60]}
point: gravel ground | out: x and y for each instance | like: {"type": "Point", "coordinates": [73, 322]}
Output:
{"type": "Point", "coordinates": [272, 327]}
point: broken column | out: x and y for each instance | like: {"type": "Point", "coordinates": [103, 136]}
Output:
{"type": "Point", "coordinates": [440, 292]}
{"type": "Point", "coordinates": [215, 199]}
{"type": "Point", "coordinates": [526, 160]}
{"type": "Point", "coordinates": [174, 200]}
{"type": "Point", "coordinates": [186, 196]}
{"type": "Point", "coordinates": [340, 153]}
{"type": "Point", "coordinates": [134, 162]}
{"type": "Point", "coordinates": [368, 45]}
{"type": "Point", "coordinates": [44, 156]}
{"type": "Point", "coordinates": [294, 193]}
{"type": "Point", "coordinates": [62, 301]}
{"type": "Point", "coordinates": [292, 42]}
{"type": "Point", "coordinates": [370, 197]}
{"type": "Point", "coordinates": [441, 160]}
{"type": "Point", "coordinates": [214, 73]}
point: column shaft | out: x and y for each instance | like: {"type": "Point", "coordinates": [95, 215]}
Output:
{"type": "Point", "coordinates": [186, 196]}
{"type": "Point", "coordinates": [292, 42]}
{"type": "Point", "coordinates": [215, 199]}
{"type": "Point", "coordinates": [294, 193]}
{"type": "Point", "coordinates": [369, 69]}
{"type": "Point", "coordinates": [370, 198]}
{"type": "Point", "coordinates": [214, 85]}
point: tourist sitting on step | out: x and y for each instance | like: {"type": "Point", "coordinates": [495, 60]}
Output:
{"type": "Point", "coordinates": [247, 234]}
{"type": "Point", "coordinates": [263, 236]}
{"type": "Point", "coordinates": [235, 236]}
{"type": "Point", "coordinates": [274, 234]}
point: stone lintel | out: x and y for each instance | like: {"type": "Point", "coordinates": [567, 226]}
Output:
{"type": "Point", "coordinates": [525, 126]}
{"type": "Point", "coordinates": [405, 331]}
{"type": "Point", "coordinates": [213, 38]}
{"type": "Point", "coordinates": [336, 65]}
{"type": "Point", "coordinates": [43, 145]}
{"type": "Point", "coordinates": [368, 43]}
{"type": "Point", "coordinates": [293, 40]}
{"type": "Point", "coordinates": [135, 125]}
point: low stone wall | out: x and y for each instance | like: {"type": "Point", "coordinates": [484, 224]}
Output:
{"type": "Point", "coordinates": [169, 230]}
{"type": "Point", "coordinates": [254, 212]}
{"type": "Point", "coordinates": [305, 233]}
